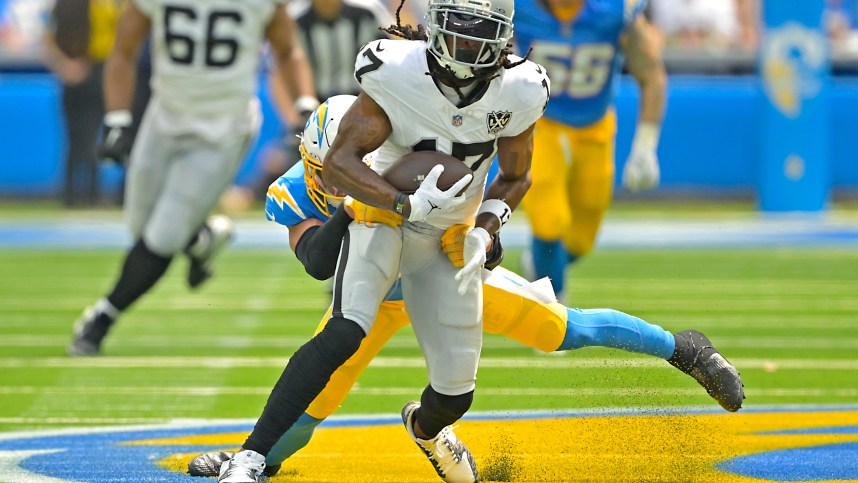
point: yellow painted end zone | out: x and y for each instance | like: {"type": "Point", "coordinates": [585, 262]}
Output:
{"type": "Point", "coordinates": [594, 448]}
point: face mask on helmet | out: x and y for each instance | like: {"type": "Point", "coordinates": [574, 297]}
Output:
{"type": "Point", "coordinates": [469, 35]}
{"type": "Point", "coordinates": [317, 138]}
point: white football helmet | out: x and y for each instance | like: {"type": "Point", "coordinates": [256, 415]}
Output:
{"type": "Point", "coordinates": [465, 35]}
{"type": "Point", "coordinates": [317, 138]}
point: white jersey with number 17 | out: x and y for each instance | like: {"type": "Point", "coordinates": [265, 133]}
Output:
{"type": "Point", "coordinates": [205, 56]}
{"type": "Point", "coordinates": [395, 74]}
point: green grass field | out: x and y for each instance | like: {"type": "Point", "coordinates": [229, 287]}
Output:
{"type": "Point", "coordinates": [785, 317]}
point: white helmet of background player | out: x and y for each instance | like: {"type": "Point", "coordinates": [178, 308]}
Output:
{"type": "Point", "coordinates": [318, 135]}
{"type": "Point", "coordinates": [469, 35]}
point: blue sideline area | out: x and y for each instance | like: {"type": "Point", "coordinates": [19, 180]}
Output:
{"type": "Point", "coordinates": [710, 142]}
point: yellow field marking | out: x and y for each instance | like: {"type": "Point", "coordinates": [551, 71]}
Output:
{"type": "Point", "coordinates": [652, 448]}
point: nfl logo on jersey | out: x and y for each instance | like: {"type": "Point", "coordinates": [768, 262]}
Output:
{"type": "Point", "coordinates": [457, 120]}
{"type": "Point", "coordinates": [497, 120]}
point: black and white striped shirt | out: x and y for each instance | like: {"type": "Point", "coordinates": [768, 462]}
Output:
{"type": "Point", "coordinates": [332, 45]}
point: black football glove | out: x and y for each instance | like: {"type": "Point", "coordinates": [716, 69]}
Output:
{"type": "Point", "coordinates": [495, 255]}
{"type": "Point", "coordinates": [116, 144]}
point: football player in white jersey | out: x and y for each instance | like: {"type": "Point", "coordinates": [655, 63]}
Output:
{"type": "Point", "coordinates": [460, 91]}
{"type": "Point", "coordinates": [317, 221]}
{"type": "Point", "coordinates": [198, 126]}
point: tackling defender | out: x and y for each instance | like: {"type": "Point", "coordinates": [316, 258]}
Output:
{"type": "Point", "coordinates": [197, 129]}
{"type": "Point", "coordinates": [457, 90]}
{"type": "Point", "coordinates": [523, 311]}
{"type": "Point", "coordinates": [582, 44]}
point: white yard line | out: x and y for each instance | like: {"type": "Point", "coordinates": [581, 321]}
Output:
{"type": "Point", "coordinates": [562, 362]}
{"type": "Point", "coordinates": [410, 391]}
{"type": "Point", "coordinates": [402, 341]}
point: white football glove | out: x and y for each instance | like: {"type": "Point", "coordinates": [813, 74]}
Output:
{"type": "Point", "coordinates": [641, 171]}
{"type": "Point", "coordinates": [430, 200]}
{"type": "Point", "coordinates": [474, 254]}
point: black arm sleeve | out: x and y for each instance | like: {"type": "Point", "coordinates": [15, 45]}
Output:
{"type": "Point", "coordinates": [319, 246]}
{"type": "Point", "coordinates": [495, 255]}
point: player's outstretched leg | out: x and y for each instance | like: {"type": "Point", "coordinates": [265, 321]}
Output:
{"type": "Point", "coordinates": [695, 356]}
{"type": "Point", "coordinates": [451, 458]}
{"type": "Point", "coordinates": [210, 241]}
{"type": "Point", "coordinates": [141, 269]}
{"type": "Point", "coordinates": [245, 467]}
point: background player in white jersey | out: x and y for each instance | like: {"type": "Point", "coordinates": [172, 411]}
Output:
{"type": "Point", "coordinates": [512, 306]}
{"type": "Point", "coordinates": [475, 101]}
{"type": "Point", "coordinates": [200, 122]}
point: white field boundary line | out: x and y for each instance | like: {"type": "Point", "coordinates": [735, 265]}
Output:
{"type": "Point", "coordinates": [536, 362]}
{"type": "Point", "coordinates": [22, 320]}
{"type": "Point", "coordinates": [166, 423]}
{"type": "Point", "coordinates": [154, 423]}
{"type": "Point", "coordinates": [161, 341]}
{"type": "Point", "coordinates": [12, 472]}
{"type": "Point", "coordinates": [202, 391]}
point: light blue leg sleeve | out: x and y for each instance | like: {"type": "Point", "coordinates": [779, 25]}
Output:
{"type": "Point", "coordinates": [296, 438]}
{"type": "Point", "coordinates": [550, 260]}
{"type": "Point", "coordinates": [612, 328]}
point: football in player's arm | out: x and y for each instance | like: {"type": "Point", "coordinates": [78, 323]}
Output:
{"type": "Point", "coordinates": [528, 313]}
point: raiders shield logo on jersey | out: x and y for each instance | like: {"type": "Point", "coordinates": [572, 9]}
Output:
{"type": "Point", "coordinates": [497, 120]}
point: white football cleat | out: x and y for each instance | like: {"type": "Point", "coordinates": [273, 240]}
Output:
{"type": "Point", "coordinates": [219, 229]}
{"type": "Point", "coordinates": [452, 460]}
{"type": "Point", "coordinates": [245, 467]}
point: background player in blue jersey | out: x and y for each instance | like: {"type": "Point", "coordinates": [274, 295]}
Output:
{"type": "Point", "coordinates": [522, 311]}
{"type": "Point", "coordinates": [582, 44]}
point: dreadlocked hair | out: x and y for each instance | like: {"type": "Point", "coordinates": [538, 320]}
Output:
{"type": "Point", "coordinates": [406, 32]}
{"type": "Point", "coordinates": [490, 73]}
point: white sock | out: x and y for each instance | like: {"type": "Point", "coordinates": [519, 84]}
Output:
{"type": "Point", "coordinates": [201, 246]}
{"type": "Point", "coordinates": [105, 307]}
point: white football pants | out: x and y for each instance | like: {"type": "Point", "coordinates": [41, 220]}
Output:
{"type": "Point", "coordinates": [448, 325]}
{"type": "Point", "coordinates": [174, 181]}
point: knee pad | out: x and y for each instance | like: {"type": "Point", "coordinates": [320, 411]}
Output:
{"type": "Point", "coordinates": [339, 340]}
{"type": "Point", "coordinates": [439, 410]}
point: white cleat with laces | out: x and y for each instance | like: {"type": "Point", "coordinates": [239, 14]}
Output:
{"type": "Point", "coordinates": [452, 460]}
{"type": "Point", "coordinates": [245, 467]}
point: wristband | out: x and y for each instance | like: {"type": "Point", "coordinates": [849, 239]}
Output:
{"type": "Point", "coordinates": [399, 203]}
{"type": "Point", "coordinates": [499, 208]}
{"type": "Point", "coordinates": [118, 118]}
{"type": "Point", "coordinates": [306, 104]}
